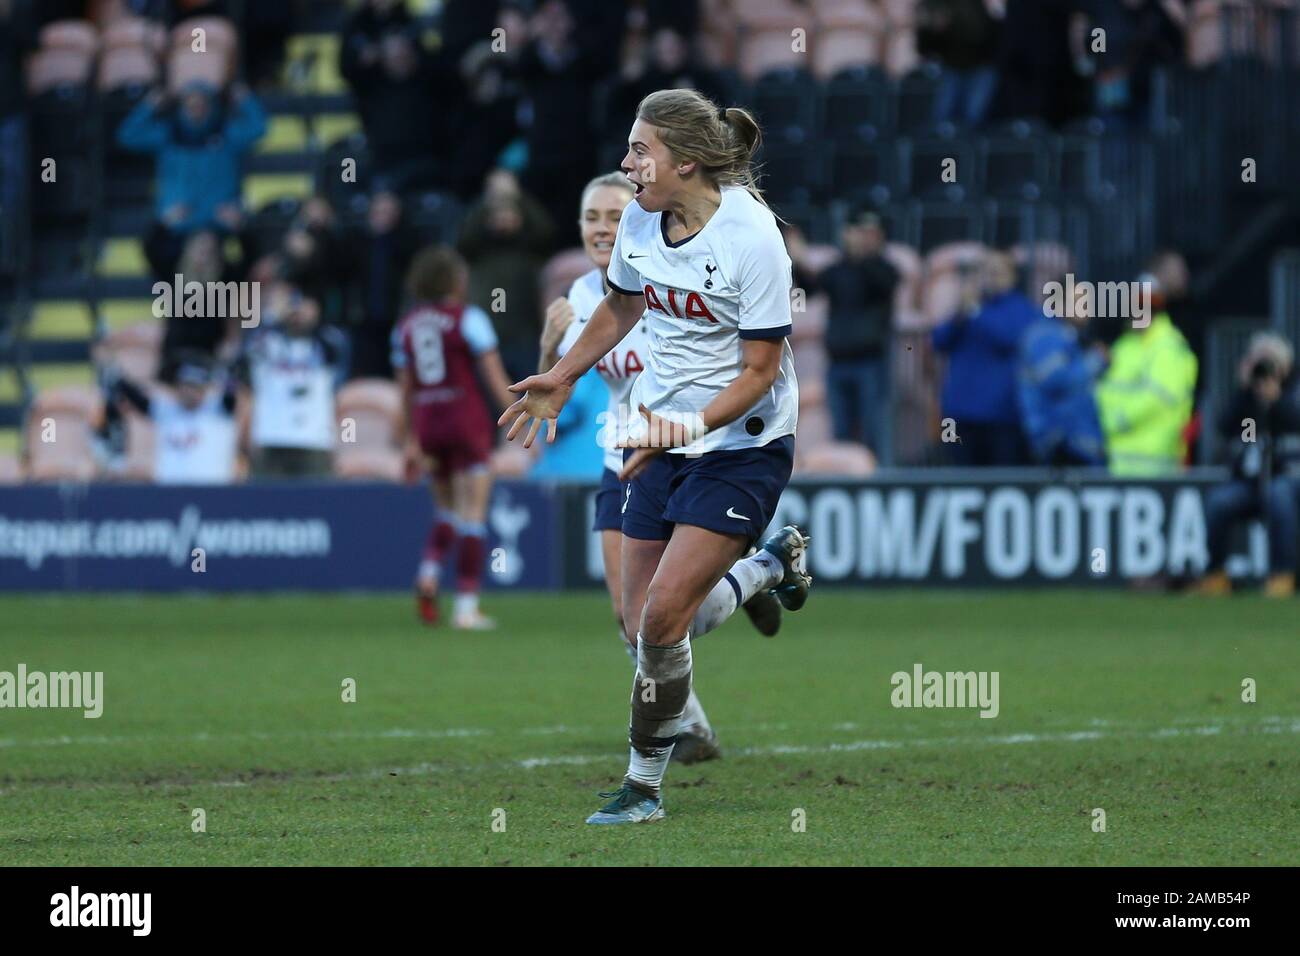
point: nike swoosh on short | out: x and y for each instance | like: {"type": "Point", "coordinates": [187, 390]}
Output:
{"type": "Point", "coordinates": [731, 513]}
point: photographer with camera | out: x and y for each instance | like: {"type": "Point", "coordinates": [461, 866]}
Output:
{"type": "Point", "coordinates": [1261, 423]}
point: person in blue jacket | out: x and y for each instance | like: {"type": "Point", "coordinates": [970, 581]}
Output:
{"type": "Point", "coordinates": [580, 455]}
{"type": "Point", "coordinates": [200, 138]}
{"type": "Point", "coordinates": [1057, 407]}
{"type": "Point", "coordinates": [982, 344]}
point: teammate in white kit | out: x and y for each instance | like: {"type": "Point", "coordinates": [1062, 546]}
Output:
{"type": "Point", "coordinates": [601, 208]}
{"type": "Point", "coordinates": [699, 255]}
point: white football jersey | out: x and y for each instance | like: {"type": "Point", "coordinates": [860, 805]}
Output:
{"type": "Point", "coordinates": [705, 294]}
{"type": "Point", "coordinates": [618, 368]}
{"type": "Point", "coordinates": [192, 447]}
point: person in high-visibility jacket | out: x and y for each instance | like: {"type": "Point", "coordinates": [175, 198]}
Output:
{"type": "Point", "coordinates": [1145, 397]}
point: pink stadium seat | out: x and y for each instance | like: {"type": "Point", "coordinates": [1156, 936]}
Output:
{"type": "Point", "coordinates": [126, 66]}
{"type": "Point", "coordinates": [810, 364]}
{"type": "Point", "coordinates": [220, 35]}
{"type": "Point", "coordinates": [134, 32]}
{"type": "Point", "coordinates": [512, 460]}
{"type": "Point", "coordinates": [1206, 43]}
{"type": "Point", "coordinates": [916, 395]}
{"type": "Point", "coordinates": [846, 459]}
{"type": "Point", "coordinates": [901, 56]}
{"type": "Point", "coordinates": [375, 407]}
{"type": "Point", "coordinates": [814, 429]}
{"type": "Point", "coordinates": [47, 69]}
{"type": "Point", "coordinates": [768, 50]}
{"type": "Point", "coordinates": [185, 66]}
{"type": "Point", "coordinates": [717, 39]}
{"type": "Point", "coordinates": [11, 470]}
{"type": "Point", "coordinates": [76, 35]}
{"type": "Point", "coordinates": [382, 464]}
{"type": "Point", "coordinates": [75, 412]}
{"type": "Point", "coordinates": [907, 295]}
{"type": "Point", "coordinates": [900, 12]}
{"type": "Point", "coordinates": [782, 15]}
{"type": "Point", "coordinates": [848, 13]}
{"type": "Point", "coordinates": [146, 336]}
{"type": "Point", "coordinates": [841, 48]}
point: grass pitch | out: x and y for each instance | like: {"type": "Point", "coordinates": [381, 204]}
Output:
{"type": "Point", "coordinates": [1127, 703]}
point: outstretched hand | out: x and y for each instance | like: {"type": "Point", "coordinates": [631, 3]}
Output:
{"type": "Point", "coordinates": [543, 396]}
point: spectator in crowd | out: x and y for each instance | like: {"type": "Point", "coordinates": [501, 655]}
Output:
{"type": "Point", "coordinates": [670, 65]}
{"type": "Point", "coordinates": [579, 455]}
{"type": "Point", "coordinates": [384, 253]}
{"type": "Point", "coordinates": [982, 344]}
{"type": "Point", "coordinates": [196, 257]}
{"type": "Point", "coordinates": [292, 366]}
{"type": "Point", "coordinates": [396, 83]}
{"type": "Point", "coordinates": [200, 139]}
{"type": "Point", "coordinates": [1145, 397]}
{"type": "Point", "coordinates": [556, 73]}
{"type": "Point", "coordinates": [1058, 374]}
{"type": "Point", "coordinates": [1138, 35]}
{"type": "Point", "coordinates": [1036, 78]}
{"type": "Point", "coordinates": [962, 36]}
{"type": "Point", "coordinates": [860, 287]}
{"type": "Point", "coordinates": [17, 36]}
{"type": "Point", "coordinates": [1261, 425]}
{"type": "Point", "coordinates": [195, 435]}
{"type": "Point", "coordinates": [504, 237]}
{"type": "Point", "coordinates": [312, 257]}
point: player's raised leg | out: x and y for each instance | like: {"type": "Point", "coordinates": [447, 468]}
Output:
{"type": "Point", "coordinates": [681, 574]}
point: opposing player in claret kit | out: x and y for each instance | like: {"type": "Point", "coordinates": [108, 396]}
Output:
{"type": "Point", "coordinates": [438, 347]}
{"type": "Point", "coordinates": [697, 256]}
{"type": "Point", "coordinates": [601, 208]}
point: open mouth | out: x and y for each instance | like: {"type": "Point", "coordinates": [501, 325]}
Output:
{"type": "Point", "coordinates": [639, 188]}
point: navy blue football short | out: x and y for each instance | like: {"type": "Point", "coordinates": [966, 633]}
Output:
{"type": "Point", "coordinates": [609, 502]}
{"type": "Point", "coordinates": [732, 491]}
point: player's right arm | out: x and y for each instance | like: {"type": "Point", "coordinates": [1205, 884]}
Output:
{"type": "Point", "coordinates": [544, 395]}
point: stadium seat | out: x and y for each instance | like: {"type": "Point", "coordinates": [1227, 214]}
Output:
{"type": "Point", "coordinates": [845, 48]}
{"type": "Point", "coordinates": [790, 172]}
{"type": "Point", "coordinates": [185, 67]}
{"type": "Point", "coordinates": [375, 407]}
{"type": "Point", "coordinates": [134, 33]}
{"type": "Point", "coordinates": [138, 459]}
{"type": "Point", "coordinates": [766, 51]}
{"type": "Point", "coordinates": [812, 219]}
{"type": "Point", "coordinates": [901, 56]}
{"type": "Point", "coordinates": [348, 198]}
{"type": "Point", "coordinates": [126, 66]}
{"type": "Point", "coordinates": [219, 35]}
{"type": "Point", "coordinates": [839, 458]}
{"type": "Point", "coordinates": [370, 464]}
{"type": "Point", "coordinates": [11, 470]}
{"type": "Point", "coordinates": [899, 12]}
{"type": "Point", "coordinates": [939, 223]}
{"type": "Point", "coordinates": [785, 102]}
{"type": "Point", "coordinates": [923, 163]}
{"type": "Point", "coordinates": [916, 379]}
{"type": "Point", "coordinates": [1015, 166]}
{"type": "Point", "coordinates": [76, 35]}
{"type": "Point", "coordinates": [513, 460]}
{"type": "Point", "coordinates": [914, 103]}
{"type": "Point", "coordinates": [1216, 28]}
{"type": "Point", "coordinates": [849, 13]}
{"type": "Point", "coordinates": [855, 106]}
{"type": "Point", "coordinates": [133, 350]}
{"type": "Point", "coordinates": [907, 294]}
{"type": "Point", "coordinates": [1077, 161]}
{"type": "Point", "coordinates": [768, 15]}
{"type": "Point", "coordinates": [857, 170]}
{"type": "Point", "coordinates": [74, 413]}
{"type": "Point", "coordinates": [435, 216]}
{"type": "Point", "coordinates": [52, 69]}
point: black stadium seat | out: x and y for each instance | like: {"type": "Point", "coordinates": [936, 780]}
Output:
{"type": "Point", "coordinates": [785, 102]}
{"type": "Point", "coordinates": [1015, 167]}
{"type": "Point", "coordinates": [859, 169]}
{"type": "Point", "coordinates": [924, 161]}
{"type": "Point", "coordinates": [855, 107]}
{"type": "Point", "coordinates": [791, 172]}
{"type": "Point", "coordinates": [938, 223]}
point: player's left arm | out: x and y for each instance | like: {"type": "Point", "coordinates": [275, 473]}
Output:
{"type": "Point", "coordinates": [494, 375]}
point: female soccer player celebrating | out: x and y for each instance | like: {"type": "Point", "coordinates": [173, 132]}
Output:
{"type": "Point", "coordinates": [601, 208]}
{"type": "Point", "coordinates": [698, 253]}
